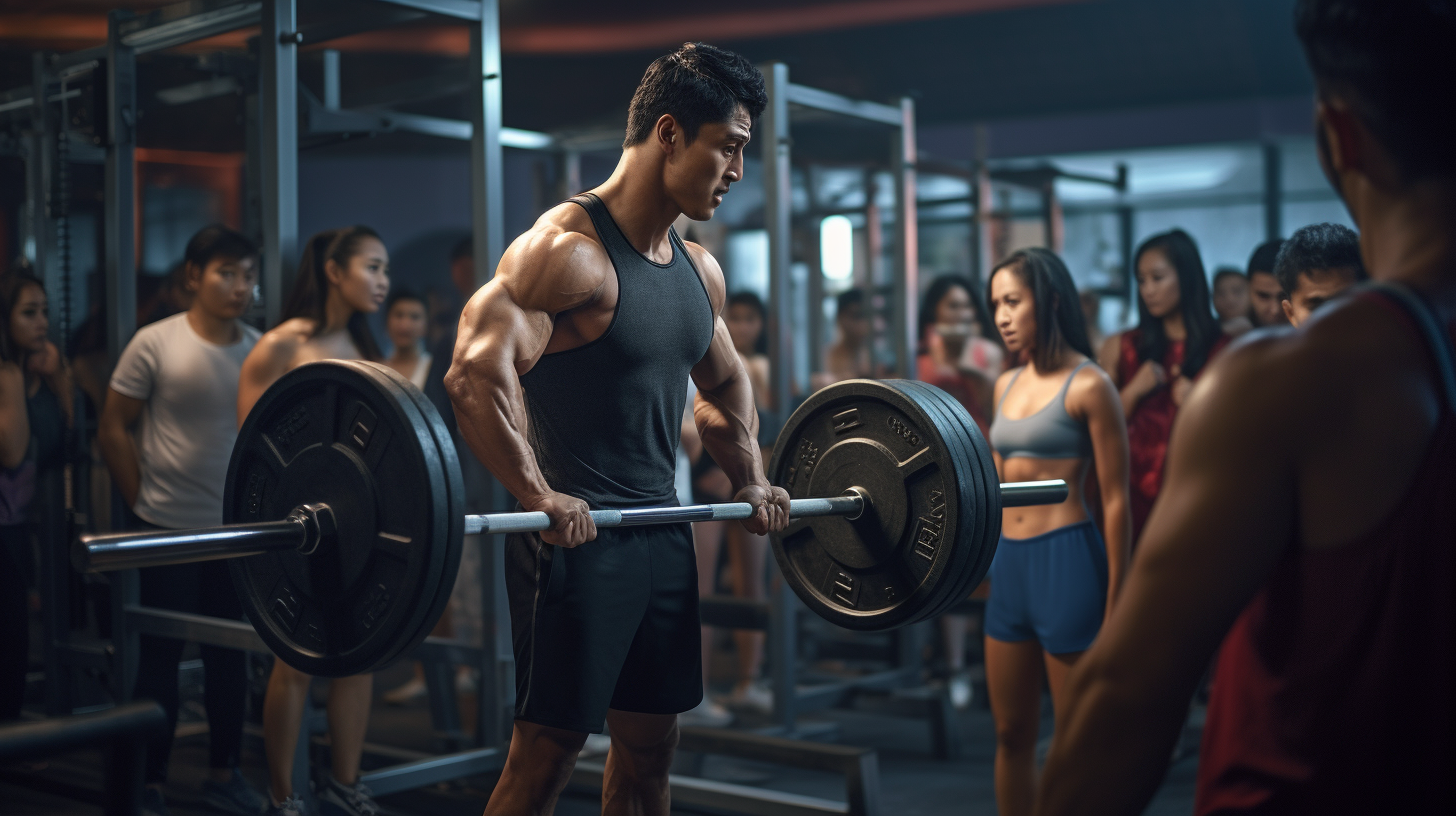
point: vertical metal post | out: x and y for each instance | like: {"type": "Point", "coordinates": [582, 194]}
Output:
{"type": "Point", "coordinates": [36, 239]}
{"type": "Point", "coordinates": [278, 150]}
{"type": "Point", "coordinates": [907, 242]}
{"type": "Point", "coordinates": [570, 174]}
{"type": "Point", "coordinates": [981, 206]}
{"type": "Point", "coordinates": [1273, 191]}
{"type": "Point", "coordinates": [331, 78]}
{"type": "Point", "coordinates": [496, 690]}
{"type": "Point", "coordinates": [120, 188]}
{"type": "Point", "coordinates": [487, 185]}
{"type": "Point", "coordinates": [815, 257]}
{"type": "Point", "coordinates": [778, 201]}
{"type": "Point", "coordinates": [1051, 209]}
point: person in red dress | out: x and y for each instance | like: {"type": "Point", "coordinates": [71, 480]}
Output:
{"type": "Point", "coordinates": [1155, 363]}
{"type": "Point", "coordinates": [1308, 524]}
{"type": "Point", "coordinates": [959, 350]}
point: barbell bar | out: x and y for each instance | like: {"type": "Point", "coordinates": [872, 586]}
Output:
{"type": "Point", "coordinates": [309, 524]}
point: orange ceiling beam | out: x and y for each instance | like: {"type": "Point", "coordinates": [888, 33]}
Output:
{"type": "Point", "coordinates": [80, 30]}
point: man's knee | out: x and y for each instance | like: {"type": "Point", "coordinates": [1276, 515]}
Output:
{"type": "Point", "coordinates": [646, 749]}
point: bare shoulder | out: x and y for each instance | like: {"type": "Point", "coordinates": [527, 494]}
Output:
{"type": "Point", "coordinates": [1091, 385]}
{"type": "Point", "coordinates": [558, 264]}
{"type": "Point", "coordinates": [11, 376]}
{"type": "Point", "coordinates": [278, 347]}
{"type": "Point", "coordinates": [711, 273]}
{"type": "Point", "coordinates": [1001, 382]}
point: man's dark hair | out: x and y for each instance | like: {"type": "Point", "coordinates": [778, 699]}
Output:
{"type": "Point", "coordinates": [1394, 63]}
{"type": "Point", "coordinates": [1227, 272]}
{"type": "Point", "coordinates": [218, 241]}
{"type": "Point", "coordinates": [697, 84]}
{"type": "Point", "coordinates": [400, 295]}
{"type": "Point", "coordinates": [848, 299]}
{"type": "Point", "coordinates": [1060, 324]}
{"type": "Point", "coordinates": [1203, 330]}
{"type": "Point", "coordinates": [1318, 246]}
{"type": "Point", "coordinates": [1263, 258]}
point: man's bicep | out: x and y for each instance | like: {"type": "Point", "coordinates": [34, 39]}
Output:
{"type": "Point", "coordinates": [721, 362]}
{"type": "Point", "coordinates": [122, 408]}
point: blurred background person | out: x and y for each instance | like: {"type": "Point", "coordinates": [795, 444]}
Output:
{"type": "Point", "coordinates": [342, 278]}
{"type": "Point", "coordinates": [1231, 300]}
{"type": "Point", "coordinates": [1264, 291]}
{"type": "Point", "coordinates": [1316, 265]}
{"type": "Point", "coordinates": [959, 351]}
{"type": "Point", "coordinates": [1155, 362]}
{"type": "Point", "coordinates": [404, 322]}
{"type": "Point", "coordinates": [849, 356]}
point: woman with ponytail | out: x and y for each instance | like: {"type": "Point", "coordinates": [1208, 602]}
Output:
{"type": "Point", "coordinates": [343, 277]}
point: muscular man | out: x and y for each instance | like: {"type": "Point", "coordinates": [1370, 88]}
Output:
{"type": "Point", "coordinates": [568, 382]}
{"type": "Point", "coordinates": [1306, 521]}
{"type": "Point", "coordinates": [1264, 291]}
{"type": "Point", "coordinates": [1315, 265]}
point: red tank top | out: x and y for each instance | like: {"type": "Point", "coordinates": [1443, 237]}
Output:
{"type": "Point", "coordinates": [1334, 688]}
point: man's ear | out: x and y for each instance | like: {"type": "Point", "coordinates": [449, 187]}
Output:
{"type": "Point", "coordinates": [668, 134]}
{"type": "Point", "coordinates": [1342, 133]}
{"type": "Point", "coordinates": [1288, 310]}
{"type": "Point", "coordinates": [191, 277]}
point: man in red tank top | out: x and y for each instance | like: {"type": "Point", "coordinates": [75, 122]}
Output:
{"type": "Point", "coordinates": [1308, 517]}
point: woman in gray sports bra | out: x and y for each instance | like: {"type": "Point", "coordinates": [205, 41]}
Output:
{"type": "Point", "coordinates": [1053, 578]}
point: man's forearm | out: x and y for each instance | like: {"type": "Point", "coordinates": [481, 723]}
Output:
{"type": "Point", "coordinates": [491, 414]}
{"type": "Point", "coordinates": [728, 424]}
{"type": "Point", "coordinates": [1111, 750]}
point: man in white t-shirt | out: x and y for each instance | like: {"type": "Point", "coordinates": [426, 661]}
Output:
{"type": "Point", "coordinates": [167, 432]}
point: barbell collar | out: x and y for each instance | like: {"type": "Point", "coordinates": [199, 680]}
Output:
{"type": "Point", "coordinates": [302, 530]}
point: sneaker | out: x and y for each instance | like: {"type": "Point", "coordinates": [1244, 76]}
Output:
{"type": "Point", "coordinates": [960, 690]}
{"type": "Point", "coordinates": [707, 714]}
{"type": "Point", "coordinates": [412, 690]}
{"type": "Point", "coordinates": [338, 799]}
{"type": "Point", "coordinates": [153, 804]}
{"type": "Point", "coordinates": [235, 796]}
{"type": "Point", "coordinates": [292, 806]}
{"type": "Point", "coordinates": [751, 697]}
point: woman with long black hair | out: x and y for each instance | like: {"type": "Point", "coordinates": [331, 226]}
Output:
{"type": "Point", "coordinates": [1155, 363]}
{"type": "Point", "coordinates": [343, 277]}
{"type": "Point", "coordinates": [1054, 576]}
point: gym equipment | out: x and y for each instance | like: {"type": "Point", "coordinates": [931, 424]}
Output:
{"type": "Point", "coordinates": [345, 485]}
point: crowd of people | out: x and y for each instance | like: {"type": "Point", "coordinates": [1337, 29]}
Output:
{"type": "Point", "coordinates": [1017, 354]}
{"type": "Point", "coordinates": [1169, 539]}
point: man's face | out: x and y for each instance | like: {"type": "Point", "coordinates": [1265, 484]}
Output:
{"type": "Point", "coordinates": [854, 324]}
{"type": "Point", "coordinates": [1231, 297]}
{"type": "Point", "coordinates": [224, 288]}
{"type": "Point", "coordinates": [698, 173]}
{"type": "Point", "coordinates": [1265, 296]}
{"type": "Point", "coordinates": [1314, 287]}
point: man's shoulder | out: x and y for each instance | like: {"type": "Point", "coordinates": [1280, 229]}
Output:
{"type": "Point", "coordinates": [562, 240]}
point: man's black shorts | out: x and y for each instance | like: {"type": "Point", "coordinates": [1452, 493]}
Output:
{"type": "Point", "coordinates": [610, 624]}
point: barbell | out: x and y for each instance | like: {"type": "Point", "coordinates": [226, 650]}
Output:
{"type": "Point", "coordinates": [343, 513]}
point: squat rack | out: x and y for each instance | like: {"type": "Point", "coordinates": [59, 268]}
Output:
{"type": "Point", "coordinates": [274, 154]}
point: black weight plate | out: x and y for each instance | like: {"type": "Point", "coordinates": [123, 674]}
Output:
{"type": "Point", "coordinates": [346, 434]}
{"type": "Point", "coordinates": [970, 528]}
{"type": "Point", "coordinates": [989, 492]}
{"type": "Point", "coordinates": [883, 569]}
{"type": "Point", "coordinates": [455, 484]}
{"type": "Point", "coordinates": [980, 452]}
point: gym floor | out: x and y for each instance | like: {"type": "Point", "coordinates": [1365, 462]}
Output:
{"type": "Point", "coordinates": [912, 780]}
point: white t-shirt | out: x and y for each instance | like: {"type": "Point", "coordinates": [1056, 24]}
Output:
{"type": "Point", "coordinates": [190, 422]}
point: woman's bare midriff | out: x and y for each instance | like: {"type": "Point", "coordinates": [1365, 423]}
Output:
{"type": "Point", "coordinates": [1025, 522]}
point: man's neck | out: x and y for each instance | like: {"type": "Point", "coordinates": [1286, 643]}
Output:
{"type": "Point", "coordinates": [1408, 238]}
{"type": "Point", "coordinates": [220, 331]}
{"type": "Point", "coordinates": [638, 203]}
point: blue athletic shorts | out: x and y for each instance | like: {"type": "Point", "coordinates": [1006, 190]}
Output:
{"type": "Point", "coordinates": [1050, 588]}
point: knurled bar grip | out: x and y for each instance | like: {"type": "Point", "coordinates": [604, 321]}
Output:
{"type": "Point", "coordinates": [155, 548]}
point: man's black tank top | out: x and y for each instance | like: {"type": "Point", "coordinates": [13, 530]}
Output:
{"type": "Point", "coordinates": [605, 417]}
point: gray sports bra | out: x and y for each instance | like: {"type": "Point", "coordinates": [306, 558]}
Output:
{"type": "Point", "coordinates": [1050, 433]}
